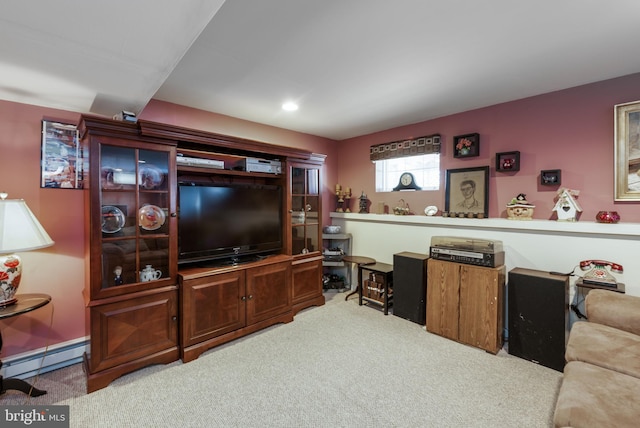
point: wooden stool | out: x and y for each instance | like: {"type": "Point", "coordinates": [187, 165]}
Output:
{"type": "Point", "coordinates": [359, 261]}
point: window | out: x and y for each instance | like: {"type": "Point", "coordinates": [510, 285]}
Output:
{"type": "Point", "coordinates": [425, 169]}
{"type": "Point", "coordinates": [419, 156]}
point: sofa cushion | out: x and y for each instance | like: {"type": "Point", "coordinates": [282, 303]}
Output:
{"type": "Point", "coordinates": [591, 396]}
{"type": "Point", "coordinates": [614, 309]}
{"type": "Point", "coordinates": [604, 346]}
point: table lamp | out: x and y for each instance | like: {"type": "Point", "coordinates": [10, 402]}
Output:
{"type": "Point", "coordinates": [20, 230]}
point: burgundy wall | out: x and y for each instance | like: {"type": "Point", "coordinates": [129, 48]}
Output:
{"type": "Point", "coordinates": [57, 270]}
{"type": "Point", "coordinates": [571, 130]}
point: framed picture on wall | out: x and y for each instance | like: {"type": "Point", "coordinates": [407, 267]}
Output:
{"type": "Point", "coordinates": [627, 151]}
{"type": "Point", "coordinates": [466, 146]}
{"type": "Point", "coordinates": [467, 192]}
{"type": "Point", "coordinates": [61, 162]}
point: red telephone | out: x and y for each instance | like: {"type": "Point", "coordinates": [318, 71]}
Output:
{"type": "Point", "coordinates": [598, 274]}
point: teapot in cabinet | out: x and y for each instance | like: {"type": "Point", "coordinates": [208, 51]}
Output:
{"type": "Point", "coordinates": [149, 274]}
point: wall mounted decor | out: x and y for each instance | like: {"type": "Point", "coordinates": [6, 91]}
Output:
{"type": "Point", "coordinates": [467, 192]}
{"type": "Point", "coordinates": [627, 151]}
{"type": "Point", "coordinates": [550, 177]}
{"type": "Point", "coordinates": [465, 146]}
{"type": "Point", "coordinates": [508, 161]}
{"type": "Point", "coordinates": [61, 158]}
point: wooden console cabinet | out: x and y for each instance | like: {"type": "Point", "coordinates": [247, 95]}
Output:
{"type": "Point", "coordinates": [132, 316]}
{"type": "Point", "coordinates": [305, 216]}
{"type": "Point", "coordinates": [466, 303]}
{"type": "Point", "coordinates": [222, 304]}
{"type": "Point", "coordinates": [132, 289]}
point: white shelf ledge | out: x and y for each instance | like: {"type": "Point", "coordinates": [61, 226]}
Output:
{"type": "Point", "coordinates": [582, 227]}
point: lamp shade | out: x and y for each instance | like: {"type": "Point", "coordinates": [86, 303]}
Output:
{"type": "Point", "coordinates": [20, 230]}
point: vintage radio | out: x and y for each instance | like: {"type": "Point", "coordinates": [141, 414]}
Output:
{"type": "Point", "coordinates": [479, 252]}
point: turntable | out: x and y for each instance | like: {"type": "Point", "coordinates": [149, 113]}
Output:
{"type": "Point", "coordinates": [479, 252]}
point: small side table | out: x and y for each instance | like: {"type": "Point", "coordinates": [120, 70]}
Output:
{"type": "Point", "coordinates": [26, 303]}
{"type": "Point", "coordinates": [359, 261]}
{"type": "Point", "coordinates": [619, 288]}
{"type": "Point", "coordinates": [383, 274]}
{"type": "Point", "coordinates": [583, 288]}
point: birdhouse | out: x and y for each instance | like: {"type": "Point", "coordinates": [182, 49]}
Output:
{"type": "Point", "coordinates": [567, 207]}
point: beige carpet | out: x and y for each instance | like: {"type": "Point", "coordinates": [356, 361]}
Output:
{"type": "Point", "coordinates": [339, 365]}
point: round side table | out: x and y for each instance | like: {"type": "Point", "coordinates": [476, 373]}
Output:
{"type": "Point", "coordinates": [359, 261]}
{"type": "Point", "coordinates": [26, 303]}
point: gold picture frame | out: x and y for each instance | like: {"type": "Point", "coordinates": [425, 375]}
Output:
{"type": "Point", "coordinates": [627, 151]}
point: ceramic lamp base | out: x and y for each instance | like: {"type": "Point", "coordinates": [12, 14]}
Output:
{"type": "Point", "coordinates": [10, 275]}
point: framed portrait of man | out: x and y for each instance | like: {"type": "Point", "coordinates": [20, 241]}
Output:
{"type": "Point", "coordinates": [467, 192]}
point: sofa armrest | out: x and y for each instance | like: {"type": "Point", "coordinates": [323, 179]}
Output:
{"type": "Point", "coordinates": [614, 309]}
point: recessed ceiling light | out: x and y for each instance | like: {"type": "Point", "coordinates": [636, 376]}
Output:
{"type": "Point", "coordinates": [290, 106]}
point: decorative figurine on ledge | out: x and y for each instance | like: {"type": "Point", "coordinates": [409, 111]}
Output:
{"type": "Point", "coordinates": [607, 217]}
{"type": "Point", "coordinates": [567, 207]}
{"type": "Point", "coordinates": [519, 208]}
{"type": "Point", "coordinates": [343, 199]}
{"type": "Point", "coordinates": [402, 208]}
{"type": "Point", "coordinates": [364, 202]}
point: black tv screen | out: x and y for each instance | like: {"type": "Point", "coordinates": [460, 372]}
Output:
{"type": "Point", "coordinates": [223, 221]}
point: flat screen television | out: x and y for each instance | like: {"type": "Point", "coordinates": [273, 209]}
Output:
{"type": "Point", "coordinates": [225, 222]}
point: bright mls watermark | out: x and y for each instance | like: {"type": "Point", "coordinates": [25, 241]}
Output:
{"type": "Point", "coordinates": [34, 416]}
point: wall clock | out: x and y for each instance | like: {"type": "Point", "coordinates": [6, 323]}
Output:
{"type": "Point", "coordinates": [407, 182]}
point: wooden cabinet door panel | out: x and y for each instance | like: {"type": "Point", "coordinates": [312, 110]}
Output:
{"type": "Point", "coordinates": [443, 298]}
{"type": "Point", "coordinates": [480, 303]}
{"type": "Point", "coordinates": [126, 330]}
{"type": "Point", "coordinates": [212, 306]}
{"type": "Point", "coordinates": [307, 280]}
{"type": "Point", "coordinates": [268, 291]}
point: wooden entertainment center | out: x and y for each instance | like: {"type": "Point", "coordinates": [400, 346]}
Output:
{"type": "Point", "coordinates": [142, 307]}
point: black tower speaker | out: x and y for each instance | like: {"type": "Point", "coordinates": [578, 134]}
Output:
{"type": "Point", "coordinates": [410, 286]}
{"type": "Point", "coordinates": [538, 316]}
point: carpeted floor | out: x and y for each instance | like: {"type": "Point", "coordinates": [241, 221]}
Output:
{"type": "Point", "coordinates": [339, 365]}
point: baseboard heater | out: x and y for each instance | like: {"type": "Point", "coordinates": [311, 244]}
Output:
{"type": "Point", "coordinates": [27, 364]}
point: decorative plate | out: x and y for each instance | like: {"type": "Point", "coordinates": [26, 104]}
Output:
{"type": "Point", "coordinates": [431, 210]}
{"type": "Point", "coordinates": [150, 177]}
{"type": "Point", "coordinates": [113, 219]}
{"type": "Point", "coordinates": [151, 217]}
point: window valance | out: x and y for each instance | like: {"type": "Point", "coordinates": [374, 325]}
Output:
{"type": "Point", "coordinates": [399, 149]}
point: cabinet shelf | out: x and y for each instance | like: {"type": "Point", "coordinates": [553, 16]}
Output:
{"type": "Point", "coordinates": [333, 264]}
{"type": "Point", "coordinates": [334, 267]}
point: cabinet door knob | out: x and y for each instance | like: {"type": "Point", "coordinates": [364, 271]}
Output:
{"type": "Point", "coordinates": [250, 296]}
{"type": "Point", "coordinates": [174, 214]}
{"type": "Point", "coordinates": [174, 318]}
{"type": "Point", "coordinates": [243, 298]}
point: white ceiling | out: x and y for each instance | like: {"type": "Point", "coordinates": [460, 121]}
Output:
{"type": "Point", "coordinates": [354, 66]}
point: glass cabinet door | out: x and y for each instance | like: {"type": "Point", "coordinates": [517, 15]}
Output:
{"type": "Point", "coordinates": [135, 202]}
{"type": "Point", "coordinates": [305, 209]}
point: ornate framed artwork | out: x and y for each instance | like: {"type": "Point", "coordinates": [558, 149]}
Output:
{"type": "Point", "coordinates": [466, 146]}
{"type": "Point", "coordinates": [627, 152]}
{"type": "Point", "coordinates": [61, 163]}
{"type": "Point", "coordinates": [467, 192]}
